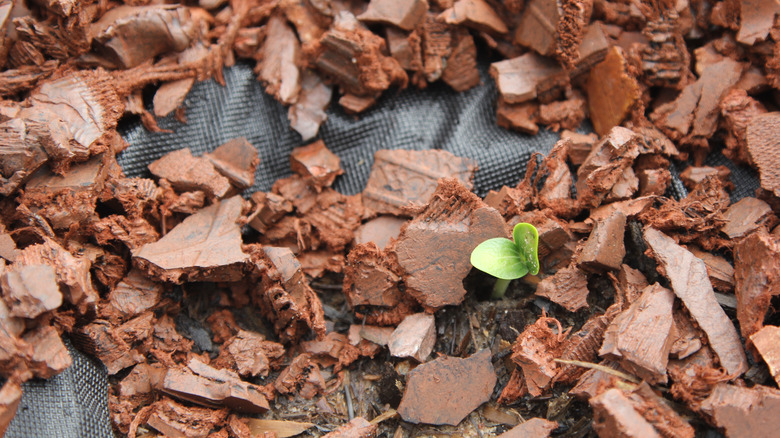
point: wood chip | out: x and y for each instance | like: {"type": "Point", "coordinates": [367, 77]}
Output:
{"type": "Point", "coordinates": [30, 291]}
{"type": "Point", "coordinates": [568, 288]}
{"type": "Point", "coordinates": [316, 164]}
{"type": "Point", "coordinates": [401, 178]}
{"type": "Point", "coordinates": [204, 247]}
{"type": "Point", "coordinates": [604, 250]}
{"type": "Point", "coordinates": [612, 92]}
{"type": "Point", "coordinates": [747, 215]}
{"type": "Point", "coordinates": [414, 337]}
{"type": "Point", "coordinates": [766, 341]}
{"type": "Point", "coordinates": [406, 14]}
{"type": "Point", "coordinates": [476, 14]}
{"type": "Point", "coordinates": [188, 173]}
{"type": "Point", "coordinates": [527, 77]}
{"type": "Point", "coordinates": [434, 248]}
{"type": "Point", "coordinates": [641, 337]}
{"type": "Point", "coordinates": [236, 160]}
{"type": "Point", "coordinates": [201, 384]}
{"type": "Point", "coordinates": [446, 390]}
{"type": "Point", "coordinates": [689, 280]}
{"type": "Point", "coordinates": [762, 132]}
{"type": "Point", "coordinates": [170, 96]}
{"type": "Point", "coordinates": [757, 277]}
{"type": "Point", "coordinates": [740, 411]}
{"type": "Point", "coordinates": [531, 428]}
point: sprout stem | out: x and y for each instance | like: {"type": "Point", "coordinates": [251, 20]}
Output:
{"type": "Point", "coordinates": [499, 289]}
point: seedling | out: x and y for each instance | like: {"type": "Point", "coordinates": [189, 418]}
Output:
{"type": "Point", "coordinates": [507, 260]}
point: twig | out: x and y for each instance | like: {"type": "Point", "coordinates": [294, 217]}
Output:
{"type": "Point", "coordinates": [348, 396]}
{"type": "Point", "coordinates": [390, 413]}
{"type": "Point", "coordinates": [602, 368]}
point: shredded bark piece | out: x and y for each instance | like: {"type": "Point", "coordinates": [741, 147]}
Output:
{"type": "Point", "coordinates": [316, 164]}
{"type": "Point", "coordinates": [641, 337]}
{"type": "Point", "coordinates": [475, 14]}
{"type": "Point", "coordinates": [72, 272]}
{"type": "Point", "coordinates": [10, 396]}
{"type": "Point", "coordinates": [380, 231]}
{"type": "Point", "coordinates": [757, 279]}
{"type": "Point", "coordinates": [568, 287]}
{"type": "Point", "coordinates": [401, 178]}
{"type": "Point", "coordinates": [201, 384]}
{"type": "Point", "coordinates": [747, 215]}
{"type": "Point", "coordinates": [433, 249]}
{"type": "Point", "coordinates": [605, 165]}
{"type": "Point", "coordinates": [204, 247]}
{"type": "Point", "coordinates": [738, 110]}
{"type": "Point", "coordinates": [332, 350]}
{"type": "Point", "coordinates": [188, 173]}
{"type": "Point", "coordinates": [583, 345]}
{"type": "Point", "coordinates": [665, 60]}
{"type": "Point", "coordinates": [251, 354]}
{"type": "Point", "coordinates": [30, 291]}
{"type": "Point", "coordinates": [178, 421]}
{"type": "Point", "coordinates": [302, 377]}
{"type": "Point", "coordinates": [447, 389]}
{"type": "Point", "coordinates": [126, 36]}
{"type": "Point", "coordinates": [371, 277]}
{"type": "Point", "coordinates": [612, 92]}
{"type": "Point", "coordinates": [743, 411]}
{"type": "Point", "coordinates": [692, 118]}
{"type": "Point", "coordinates": [527, 77]}
{"type": "Point", "coordinates": [237, 160]}
{"type": "Point", "coordinates": [766, 341]}
{"type": "Point", "coordinates": [604, 249]}
{"type": "Point", "coordinates": [721, 272]}
{"type": "Point", "coordinates": [358, 427]}
{"type": "Point", "coordinates": [170, 96]}
{"type": "Point", "coordinates": [534, 351]}
{"type": "Point", "coordinates": [689, 280]}
{"type": "Point", "coordinates": [414, 337]}
{"type": "Point", "coordinates": [295, 308]}
{"type": "Point", "coordinates": [371, 73]}
{"type": "Point", "coordinates": [407, 14]}
{"type": "Point", "coordinates": [461, 71]}
{"type": "Point", "coordinates": [762, 149]}
{"type": "Point", "coordinates": [531, 428]}
{"type": "Point", "coordinates": [692, 176]}
{"type": "Point", "coordinates": [308, 113]}
{"type": "Point", "coordinates": [520, 117]}
{"type": "Point", "coordinates": [756, 20]}
{"type": "Point", "coordinates": [279, 66]}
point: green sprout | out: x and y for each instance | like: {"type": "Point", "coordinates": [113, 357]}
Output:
{"type": "Point", "coordinates": [507, 260]}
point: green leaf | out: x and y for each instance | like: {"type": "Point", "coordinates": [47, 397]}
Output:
{"type": "Point", "coordinates": [527, 241]}
{"type": "Point", "coordinates": [500, 258]}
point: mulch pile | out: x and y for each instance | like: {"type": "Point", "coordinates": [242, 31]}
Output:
{"type": "Point", "coordinates": [118, 264]}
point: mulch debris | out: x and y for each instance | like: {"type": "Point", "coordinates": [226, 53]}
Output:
{"type": "Point", "coordinates": [221, 316]}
